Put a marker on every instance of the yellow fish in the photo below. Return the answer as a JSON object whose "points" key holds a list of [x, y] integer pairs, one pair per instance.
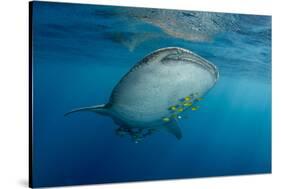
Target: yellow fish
{"points": [[173, 108], [180, 110], [166, 119], [187, 104], [187, 98], [195, 108], [199, 98]]}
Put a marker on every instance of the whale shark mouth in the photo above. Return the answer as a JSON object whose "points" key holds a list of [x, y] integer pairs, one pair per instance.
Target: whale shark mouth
{"points": [[186, 56]]}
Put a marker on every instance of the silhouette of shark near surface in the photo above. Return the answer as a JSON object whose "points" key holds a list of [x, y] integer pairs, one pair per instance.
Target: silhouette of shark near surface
{"points": [[157, 92]]}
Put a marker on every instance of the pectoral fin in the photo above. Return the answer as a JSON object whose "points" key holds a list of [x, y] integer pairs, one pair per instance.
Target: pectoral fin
{"points": [[101, 109], [174, 129]]}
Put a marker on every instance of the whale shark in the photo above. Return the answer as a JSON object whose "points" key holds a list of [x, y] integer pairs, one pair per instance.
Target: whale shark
{"points": [[156, 91]]}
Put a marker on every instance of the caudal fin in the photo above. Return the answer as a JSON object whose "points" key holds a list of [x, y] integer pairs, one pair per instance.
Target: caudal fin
{"points": [[101, 109]]}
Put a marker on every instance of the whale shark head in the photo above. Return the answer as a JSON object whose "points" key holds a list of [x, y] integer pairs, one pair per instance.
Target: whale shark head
{"points": [[156, 91], [177, 55]]}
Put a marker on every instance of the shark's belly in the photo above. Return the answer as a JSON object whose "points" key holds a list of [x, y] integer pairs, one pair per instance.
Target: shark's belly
{"points": [[145, 96]]}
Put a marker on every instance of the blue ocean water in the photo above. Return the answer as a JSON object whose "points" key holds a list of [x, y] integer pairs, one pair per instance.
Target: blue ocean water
{"points": [[80, 52]]}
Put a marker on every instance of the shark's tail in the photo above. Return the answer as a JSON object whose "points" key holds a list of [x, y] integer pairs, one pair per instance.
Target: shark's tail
{"points": [[101, 109]]}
